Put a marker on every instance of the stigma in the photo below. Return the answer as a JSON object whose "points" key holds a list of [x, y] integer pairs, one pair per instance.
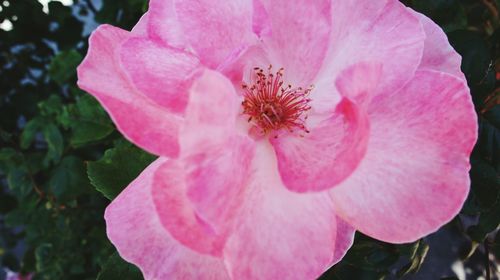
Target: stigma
{"points": [[271, 105]]}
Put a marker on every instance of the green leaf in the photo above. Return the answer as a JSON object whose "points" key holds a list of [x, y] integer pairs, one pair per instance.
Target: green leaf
{"points": [[69, 179], [7, 203], [476, 62], [9, 159], [116, 268], [29, 132], [485, 183], [51, 107], [493, 116], [55, 142], [488, 222], [88, 121], [117, 168], [63, 66], [43, 255], [20, 182], [372, 255]]}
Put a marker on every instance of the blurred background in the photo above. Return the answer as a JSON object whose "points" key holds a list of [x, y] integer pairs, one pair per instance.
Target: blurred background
{"points": [[62, 160]]}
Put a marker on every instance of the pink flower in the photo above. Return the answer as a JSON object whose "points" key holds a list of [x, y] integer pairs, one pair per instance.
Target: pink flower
{"points": [[260, 180]]}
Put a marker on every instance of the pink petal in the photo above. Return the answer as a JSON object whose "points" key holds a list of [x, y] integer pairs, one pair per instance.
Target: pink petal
{"points": [[216, 156], [216, 177], [333, 149], [162, 73], [213, 108], [239, 66], [299, 37], [177, 215], [344, 240], [141, 121], [141, 28], [327, 155], [280, 234], [383, 32], [134, 228], [197, 195], [215, 29], [359, 82], [439, 55], [260, 22], [414, 176], [163, 24]]}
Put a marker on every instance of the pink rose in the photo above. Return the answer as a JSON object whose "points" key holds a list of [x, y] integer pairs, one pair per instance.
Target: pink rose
{"points": [[257, 179]]}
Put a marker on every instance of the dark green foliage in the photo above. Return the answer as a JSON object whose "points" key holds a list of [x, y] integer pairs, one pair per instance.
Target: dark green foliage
{"points": [[117, 168], [63, 66], [61, 156], [51, 218], [88, 121], [116, 268]]}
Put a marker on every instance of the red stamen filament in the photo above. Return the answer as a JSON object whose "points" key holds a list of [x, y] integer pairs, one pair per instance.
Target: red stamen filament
{"points": [[272, 106]]}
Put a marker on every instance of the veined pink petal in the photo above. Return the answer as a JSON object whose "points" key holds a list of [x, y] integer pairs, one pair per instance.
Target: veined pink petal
{"points": [[438, 55], [134, 228], [197, 195], [344, 240], [141, 28], [163, 24], [216, 156], [359, 82], [298, 38], [414, 176], [216, 177], [239, 66], [177, 215], [141, 121], [215, 29], [280, 234], [162, 73], [333, 149], [383, 32], [327, 155], [260, 22]]}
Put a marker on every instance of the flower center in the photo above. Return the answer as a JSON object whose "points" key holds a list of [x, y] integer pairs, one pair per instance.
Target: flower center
{"points": [[272, 106]]}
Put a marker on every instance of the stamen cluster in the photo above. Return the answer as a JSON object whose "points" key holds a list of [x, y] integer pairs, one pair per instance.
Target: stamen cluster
{"points": [[272, 106]]}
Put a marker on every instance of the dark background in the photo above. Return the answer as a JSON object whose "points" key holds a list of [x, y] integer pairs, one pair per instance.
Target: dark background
{"points": [[61, 158]]}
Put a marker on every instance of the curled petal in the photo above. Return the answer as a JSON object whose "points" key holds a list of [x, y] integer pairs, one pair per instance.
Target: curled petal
{"points": [[177, 215], [327, 155], [143, 122], [141, 28], [383, 32], [133, 226], [162, 73], [215, 154], [198, 194], [414, 176], [359, 82], [344, 240]]}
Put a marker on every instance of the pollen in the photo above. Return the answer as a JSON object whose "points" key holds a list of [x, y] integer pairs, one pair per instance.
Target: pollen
{"points": [[273, 106]]}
